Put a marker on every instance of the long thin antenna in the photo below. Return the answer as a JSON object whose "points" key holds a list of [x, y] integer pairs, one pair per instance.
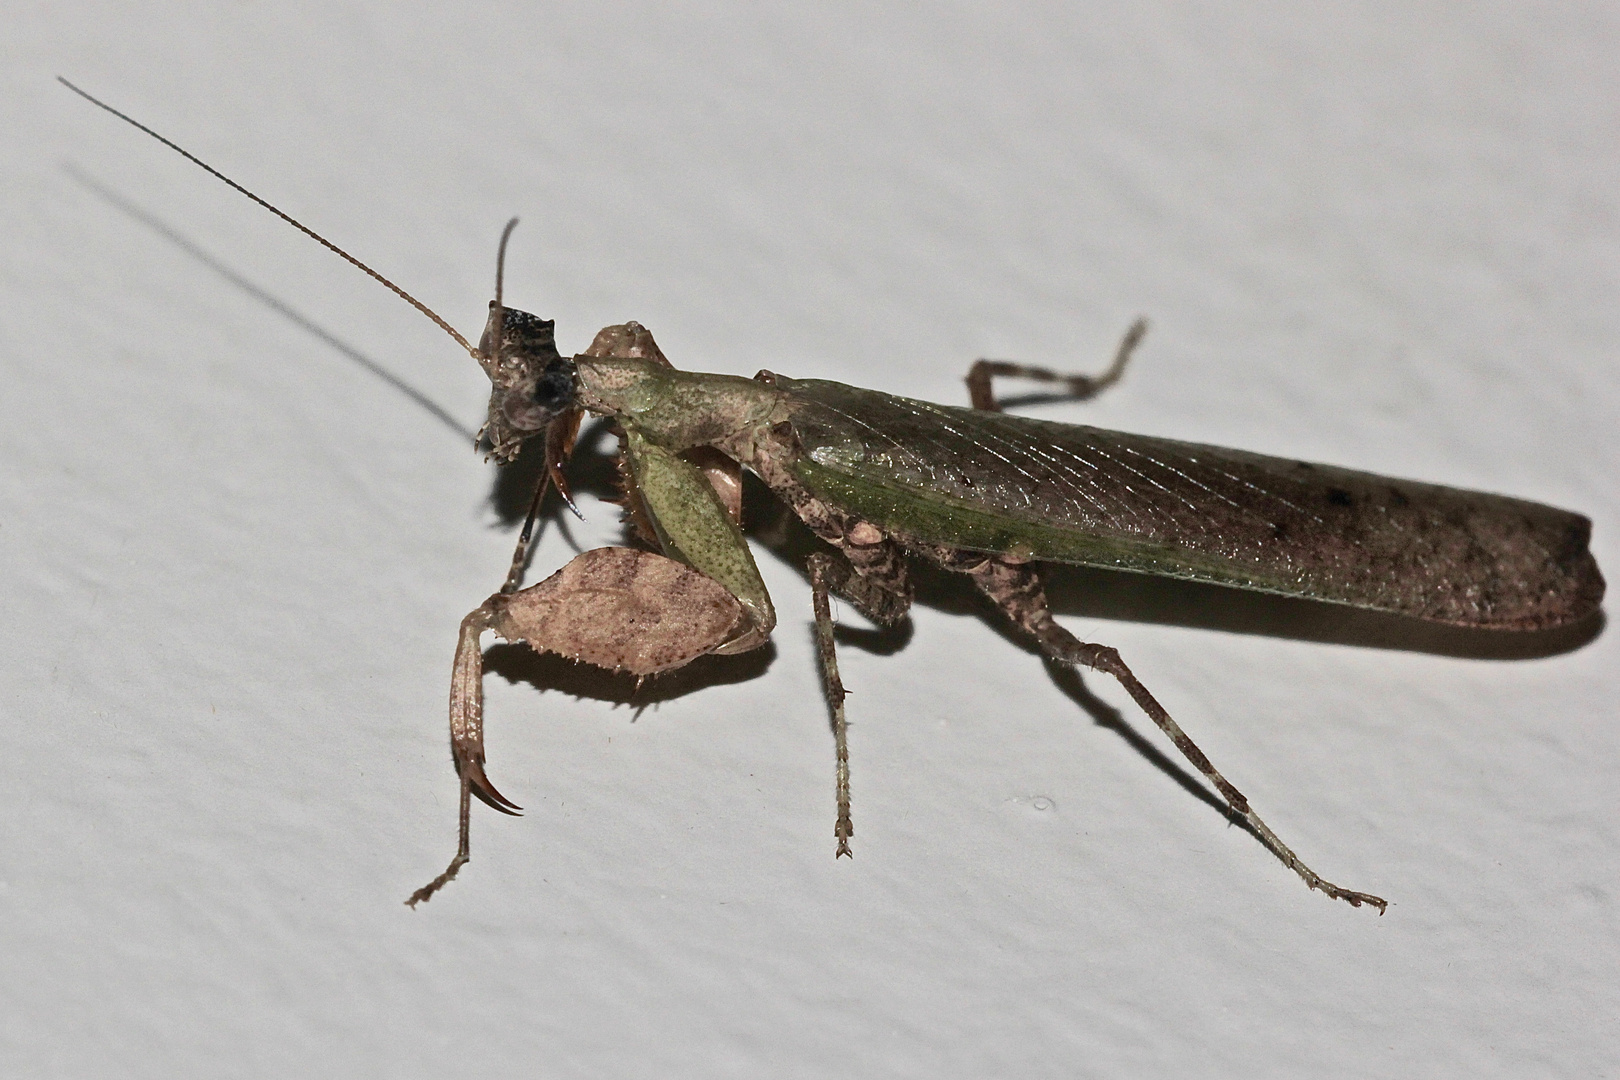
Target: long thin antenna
{"points": [[500, 261], [288, 218], [496, 331]]}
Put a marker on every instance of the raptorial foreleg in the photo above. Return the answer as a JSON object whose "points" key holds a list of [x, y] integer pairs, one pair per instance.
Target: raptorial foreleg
{"points": [[616, 608]]}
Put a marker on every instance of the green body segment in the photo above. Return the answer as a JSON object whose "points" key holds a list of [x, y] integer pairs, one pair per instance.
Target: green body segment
{"points": [[694, 528], [676, 410], [987, 481], [994, 482]]}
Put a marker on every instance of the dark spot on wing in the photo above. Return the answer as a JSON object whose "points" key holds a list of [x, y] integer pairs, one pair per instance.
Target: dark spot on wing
{"points": [[1572, 549]]}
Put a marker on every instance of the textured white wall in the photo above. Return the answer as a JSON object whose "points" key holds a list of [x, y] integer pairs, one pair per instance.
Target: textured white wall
{"points": [[232, 560]]}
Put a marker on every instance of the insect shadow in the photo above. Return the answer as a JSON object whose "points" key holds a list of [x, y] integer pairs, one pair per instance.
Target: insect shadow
{"points": [[1078, 591], [264, 296], [1408, 549], [592, 470], [773, 525], [1094, 594]]}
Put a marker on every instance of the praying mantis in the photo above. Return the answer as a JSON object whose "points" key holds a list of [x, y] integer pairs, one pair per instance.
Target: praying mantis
{"points": [[883, 480]]}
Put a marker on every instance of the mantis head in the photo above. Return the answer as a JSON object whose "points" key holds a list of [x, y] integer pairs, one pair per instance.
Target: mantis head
{"points": [[532, 385]]}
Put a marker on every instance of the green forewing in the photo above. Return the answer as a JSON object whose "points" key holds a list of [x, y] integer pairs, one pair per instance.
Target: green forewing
{"points": [[994, 482]]}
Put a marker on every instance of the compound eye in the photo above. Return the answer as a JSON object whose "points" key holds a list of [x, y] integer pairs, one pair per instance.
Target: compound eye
{"points": [[554, 390], [553, 395]]}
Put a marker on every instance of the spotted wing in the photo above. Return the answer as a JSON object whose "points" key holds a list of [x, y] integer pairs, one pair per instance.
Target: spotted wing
{"points": [[1066, 493]]}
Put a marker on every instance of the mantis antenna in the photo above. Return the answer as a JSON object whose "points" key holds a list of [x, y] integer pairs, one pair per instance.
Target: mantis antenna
{"points": [[498, 309], [500, 261], [300, 226]]}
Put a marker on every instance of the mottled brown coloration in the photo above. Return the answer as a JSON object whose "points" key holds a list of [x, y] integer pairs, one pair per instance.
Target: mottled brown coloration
{"points": [[723, 474], [518, 352], [977, 492], [617, 608], [1074, 494], [627, 341], [623, 610]]}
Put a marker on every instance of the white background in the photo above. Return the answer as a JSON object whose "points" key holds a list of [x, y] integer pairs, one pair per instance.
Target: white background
{"points": [[232, 559]]}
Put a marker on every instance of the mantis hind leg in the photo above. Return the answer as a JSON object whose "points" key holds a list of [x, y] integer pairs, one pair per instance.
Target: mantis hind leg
{"points": [[979, 376], [1017, 590]]}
